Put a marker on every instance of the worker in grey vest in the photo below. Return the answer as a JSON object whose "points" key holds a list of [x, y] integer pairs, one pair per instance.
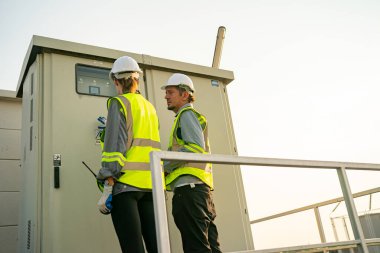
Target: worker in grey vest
{"points": [[192, 183]]}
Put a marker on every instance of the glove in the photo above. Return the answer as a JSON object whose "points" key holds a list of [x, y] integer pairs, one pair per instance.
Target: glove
{"points": [[100, 185], [104, 203]]}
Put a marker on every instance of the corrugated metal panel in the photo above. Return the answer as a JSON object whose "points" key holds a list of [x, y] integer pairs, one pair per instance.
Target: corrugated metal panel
{"points": [[8, 239], [10, 133], [10, 174], [10, 112], [371, 228], [9, 144], [9, 212]]}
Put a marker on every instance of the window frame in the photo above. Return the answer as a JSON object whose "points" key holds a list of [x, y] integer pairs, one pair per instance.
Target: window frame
{"points": [[89, 93]]}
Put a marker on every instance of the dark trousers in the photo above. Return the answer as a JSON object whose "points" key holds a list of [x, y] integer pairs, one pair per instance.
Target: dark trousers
{"points": [[133, 219], [194, 214]]}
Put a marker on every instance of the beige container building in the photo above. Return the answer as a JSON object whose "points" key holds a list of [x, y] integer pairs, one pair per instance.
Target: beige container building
{"points": [[10, 135], [64, 87]]}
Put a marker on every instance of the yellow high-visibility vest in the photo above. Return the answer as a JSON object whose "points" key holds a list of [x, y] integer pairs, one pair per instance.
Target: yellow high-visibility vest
{"points": [[143, 137], [203, 171]]}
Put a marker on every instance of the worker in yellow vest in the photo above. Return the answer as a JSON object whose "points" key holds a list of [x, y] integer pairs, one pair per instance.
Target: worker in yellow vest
{"points": [[131, 133], [192, 183]]}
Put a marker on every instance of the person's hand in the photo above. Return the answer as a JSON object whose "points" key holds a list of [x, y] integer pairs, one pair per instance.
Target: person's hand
{"points": [[105, 201]]}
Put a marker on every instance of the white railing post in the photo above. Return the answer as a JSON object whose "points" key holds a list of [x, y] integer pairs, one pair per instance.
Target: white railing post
{"points": [[319, 224], [351, 210], [160, 216]]}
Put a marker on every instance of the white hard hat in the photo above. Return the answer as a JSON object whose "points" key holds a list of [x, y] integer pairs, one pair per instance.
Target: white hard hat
{"points": [[125, 65], [178, 79]]}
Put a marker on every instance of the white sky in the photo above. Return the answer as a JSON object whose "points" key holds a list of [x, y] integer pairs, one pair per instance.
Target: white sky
{"points": [[307, 79]]}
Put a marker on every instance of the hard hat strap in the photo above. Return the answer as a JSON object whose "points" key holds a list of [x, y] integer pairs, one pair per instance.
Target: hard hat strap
{"points": [[185, 87], [126, 75]]}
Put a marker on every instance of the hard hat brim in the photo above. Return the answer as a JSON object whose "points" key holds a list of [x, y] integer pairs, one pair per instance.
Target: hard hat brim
{"points": [[177, 85], [168, 85]]}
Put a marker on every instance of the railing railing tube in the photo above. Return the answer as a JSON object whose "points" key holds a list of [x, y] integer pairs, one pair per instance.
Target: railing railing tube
{"points": [[351, 210], [161, 219], [160, 216]]}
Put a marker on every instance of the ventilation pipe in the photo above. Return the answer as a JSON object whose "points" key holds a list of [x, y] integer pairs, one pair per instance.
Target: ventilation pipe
{"points": [[218, 47]]}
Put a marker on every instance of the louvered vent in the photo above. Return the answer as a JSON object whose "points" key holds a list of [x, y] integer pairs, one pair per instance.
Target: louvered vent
{"points": [[29, 234]]}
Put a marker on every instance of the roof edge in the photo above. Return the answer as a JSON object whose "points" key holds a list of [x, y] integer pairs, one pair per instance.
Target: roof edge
{"points": [[40, 44], [8, 95]]}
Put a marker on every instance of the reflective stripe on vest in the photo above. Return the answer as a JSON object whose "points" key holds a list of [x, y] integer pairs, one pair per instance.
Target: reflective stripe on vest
{"points": [[143, 137], [203, 171]]}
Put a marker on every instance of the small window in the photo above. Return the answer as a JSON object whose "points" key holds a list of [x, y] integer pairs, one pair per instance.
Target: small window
{"points": [[94, 81]]}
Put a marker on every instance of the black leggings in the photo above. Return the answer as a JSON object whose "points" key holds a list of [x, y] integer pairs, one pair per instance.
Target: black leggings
{"points": [[133, 219]]}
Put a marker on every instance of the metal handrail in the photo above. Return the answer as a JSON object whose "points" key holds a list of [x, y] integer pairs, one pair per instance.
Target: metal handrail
{"points": [[161, 220], [316, 247], [319, 247], [315, 205]]}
